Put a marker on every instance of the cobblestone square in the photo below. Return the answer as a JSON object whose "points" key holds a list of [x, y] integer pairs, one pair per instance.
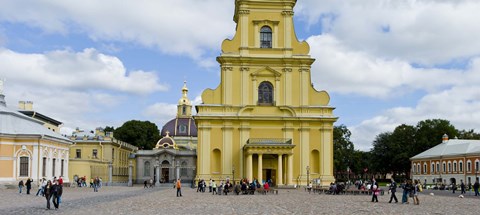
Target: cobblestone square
{"points": [[137, 200]]}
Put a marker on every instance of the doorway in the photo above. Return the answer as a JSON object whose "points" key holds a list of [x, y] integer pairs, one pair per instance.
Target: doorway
{"points": [[165, 175], [270, 175]]}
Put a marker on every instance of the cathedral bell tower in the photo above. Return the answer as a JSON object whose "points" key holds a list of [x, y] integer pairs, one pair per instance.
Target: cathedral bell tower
{"points": [[184, 107], [265, 120]]}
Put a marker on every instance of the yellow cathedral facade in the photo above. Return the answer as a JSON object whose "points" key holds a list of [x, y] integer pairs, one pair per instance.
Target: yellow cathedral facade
{"points": [[265, 120]]}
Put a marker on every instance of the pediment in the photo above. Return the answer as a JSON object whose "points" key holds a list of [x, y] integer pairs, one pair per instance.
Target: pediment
{"points": [[266, 72]]}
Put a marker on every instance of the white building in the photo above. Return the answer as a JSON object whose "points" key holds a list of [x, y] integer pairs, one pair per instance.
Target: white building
{"points": [[28, 149], [448, 162]]}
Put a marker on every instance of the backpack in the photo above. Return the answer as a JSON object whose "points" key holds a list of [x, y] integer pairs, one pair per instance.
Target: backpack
{"points": [[420, 189]]}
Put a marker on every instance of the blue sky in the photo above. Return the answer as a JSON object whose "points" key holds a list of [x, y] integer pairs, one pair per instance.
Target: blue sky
{"points": [[96, 63]]}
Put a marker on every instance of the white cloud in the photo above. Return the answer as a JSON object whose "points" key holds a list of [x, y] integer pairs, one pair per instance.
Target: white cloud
{"points": [[86, 70], [341, 69], [459, 104], [427, 32], [161, 113], [174, 27]]}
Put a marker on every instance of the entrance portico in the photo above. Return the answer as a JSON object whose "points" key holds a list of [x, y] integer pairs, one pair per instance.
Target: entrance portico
{"points": [[277, 148]]}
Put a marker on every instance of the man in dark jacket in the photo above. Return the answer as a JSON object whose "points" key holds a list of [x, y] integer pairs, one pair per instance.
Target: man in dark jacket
{"points": [[475, 188], [28, 184], [56, 194], [393, 190]]}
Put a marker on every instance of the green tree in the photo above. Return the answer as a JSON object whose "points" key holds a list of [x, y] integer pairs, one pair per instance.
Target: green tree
{"points": [[429, 134], [109, 129], [142, 134], [468, 134], [343, 148]]}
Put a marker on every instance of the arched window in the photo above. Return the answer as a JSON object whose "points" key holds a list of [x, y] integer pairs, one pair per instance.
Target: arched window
{"points": [[183, 171], [460, 165], [476, 166], [265, 37], [414, 168], [24, 166], [444, 166], [184, 110], [469, 166], [418, 169], [424, 168], [265, 93], [432, 168], [146, 168], [438, 167], [449, 166], [455, 166]]}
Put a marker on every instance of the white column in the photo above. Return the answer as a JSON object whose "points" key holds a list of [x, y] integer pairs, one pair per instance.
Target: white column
{"points": [[157, 183], [290, 169], [130, 174], [249, 167], [279, 170], [260, 168], [110, 174]]}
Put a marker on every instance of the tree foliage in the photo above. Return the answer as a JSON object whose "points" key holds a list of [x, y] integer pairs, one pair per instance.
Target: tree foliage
{"points": [[142, 134], [109, 129], [392, 151], [343, 148]]}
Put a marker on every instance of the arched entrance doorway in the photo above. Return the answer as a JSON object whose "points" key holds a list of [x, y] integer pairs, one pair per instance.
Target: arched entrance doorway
{"points": [[165, 176]]}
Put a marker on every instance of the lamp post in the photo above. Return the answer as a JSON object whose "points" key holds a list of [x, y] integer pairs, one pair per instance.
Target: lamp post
{"points": [[348, 175], [308, 175], [233, 174]]}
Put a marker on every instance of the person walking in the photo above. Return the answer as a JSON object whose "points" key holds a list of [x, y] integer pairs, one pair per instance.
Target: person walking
{"points": [[214, 187], [462, 187], [179, 188], [41, 187], [56, 194], [28, 185], [96, 184], [416, 191], [393, 190], [475, 188], [20, 186], [375, 192], [407, 186], [48, 193], [210, 186]]}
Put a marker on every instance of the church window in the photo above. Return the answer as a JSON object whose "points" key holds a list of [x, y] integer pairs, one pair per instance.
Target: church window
{"points": [[184, 110], [265, 93], [183, 171], [53, 166], [94, 153], [182, 129], [265, 37], [23, 166], [61, 167], [146, 169], [44, 167]]}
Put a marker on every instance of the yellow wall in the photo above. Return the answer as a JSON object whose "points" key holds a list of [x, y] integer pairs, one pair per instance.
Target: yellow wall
{"points": [[89, 166], [229, 114]]}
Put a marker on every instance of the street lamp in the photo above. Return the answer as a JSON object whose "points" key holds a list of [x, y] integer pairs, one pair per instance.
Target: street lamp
{"points": [[348, 175], [233, 174], [308, 175]]}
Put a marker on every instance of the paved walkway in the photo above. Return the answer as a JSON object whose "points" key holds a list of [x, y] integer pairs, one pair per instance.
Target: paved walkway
{"points": [[136, 200]]}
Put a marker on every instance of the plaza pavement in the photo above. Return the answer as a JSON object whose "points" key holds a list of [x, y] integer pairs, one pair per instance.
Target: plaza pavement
{"points": [[136, 200]]}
